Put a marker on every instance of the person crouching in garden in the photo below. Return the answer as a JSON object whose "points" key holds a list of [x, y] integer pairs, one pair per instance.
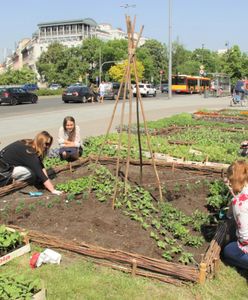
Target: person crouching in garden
{"points": [[69, 140], [236, 252], [26, 157]]}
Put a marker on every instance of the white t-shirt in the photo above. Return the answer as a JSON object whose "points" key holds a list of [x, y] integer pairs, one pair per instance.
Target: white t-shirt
{"points": [[63, 135], [240, 213]]}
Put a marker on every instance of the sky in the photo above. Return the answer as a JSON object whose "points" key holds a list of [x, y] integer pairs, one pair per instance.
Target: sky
{"points": [[212, 24]]}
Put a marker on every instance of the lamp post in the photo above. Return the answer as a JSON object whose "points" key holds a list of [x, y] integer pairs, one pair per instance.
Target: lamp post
{"points": [[170, 55], [101, 65]]}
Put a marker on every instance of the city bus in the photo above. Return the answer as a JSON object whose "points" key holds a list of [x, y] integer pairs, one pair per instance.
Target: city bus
{"points": [[190, 84]]}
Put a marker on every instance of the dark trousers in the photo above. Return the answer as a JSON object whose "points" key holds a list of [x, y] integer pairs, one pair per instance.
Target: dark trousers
{"points": [[234, 256], [72, 153]]}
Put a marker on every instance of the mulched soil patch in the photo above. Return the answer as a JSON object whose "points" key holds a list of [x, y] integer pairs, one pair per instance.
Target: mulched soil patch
{"points": [[96, 223]]}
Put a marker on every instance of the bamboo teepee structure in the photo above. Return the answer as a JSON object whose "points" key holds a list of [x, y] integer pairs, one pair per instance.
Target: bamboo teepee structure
{"points": [[128, 95]]}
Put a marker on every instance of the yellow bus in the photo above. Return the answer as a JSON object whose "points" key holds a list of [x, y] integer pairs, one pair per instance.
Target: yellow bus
{"points": [[190, 84]]}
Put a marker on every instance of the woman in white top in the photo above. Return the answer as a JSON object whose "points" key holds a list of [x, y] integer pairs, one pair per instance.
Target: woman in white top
{"points": [[69, 140], [236, 252]]}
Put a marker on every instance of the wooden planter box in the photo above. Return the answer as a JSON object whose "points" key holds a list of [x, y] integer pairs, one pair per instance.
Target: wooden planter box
{"points": [[16, 253], [41, 295]]}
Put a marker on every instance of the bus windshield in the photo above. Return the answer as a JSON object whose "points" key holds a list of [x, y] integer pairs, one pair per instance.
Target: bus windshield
{"points": [[178, 80]]}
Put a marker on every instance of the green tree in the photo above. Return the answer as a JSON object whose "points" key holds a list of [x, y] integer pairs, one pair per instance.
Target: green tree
{"points": [[153, 56], [117, 72], [179, 56], [232, 63], [25, 75]]}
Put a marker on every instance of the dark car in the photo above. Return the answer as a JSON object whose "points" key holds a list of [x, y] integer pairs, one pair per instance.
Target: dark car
{"points": [[76, 94], [112, 89], [30, 87], [164, 88], [16, 95]]}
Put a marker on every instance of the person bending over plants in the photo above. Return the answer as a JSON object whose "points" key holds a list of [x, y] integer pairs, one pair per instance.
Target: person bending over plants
{"points": [[26, 157], [70, 147], [236, 252]]}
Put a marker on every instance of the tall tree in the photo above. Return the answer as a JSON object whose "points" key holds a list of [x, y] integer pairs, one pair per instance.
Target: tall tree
{"points": [[153, 55]]}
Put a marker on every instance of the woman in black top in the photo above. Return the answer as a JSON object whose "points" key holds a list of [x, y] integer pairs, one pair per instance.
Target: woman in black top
{"points": [[26, 156]]}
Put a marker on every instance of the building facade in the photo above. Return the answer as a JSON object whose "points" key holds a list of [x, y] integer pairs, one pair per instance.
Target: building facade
{"points": [[69, 33]]}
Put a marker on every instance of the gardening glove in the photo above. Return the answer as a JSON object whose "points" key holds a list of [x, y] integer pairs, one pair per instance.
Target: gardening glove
{"points": [[56, 192]]}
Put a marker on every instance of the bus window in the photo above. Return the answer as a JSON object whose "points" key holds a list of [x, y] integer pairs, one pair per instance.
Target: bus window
{"points": [[178, 80]]}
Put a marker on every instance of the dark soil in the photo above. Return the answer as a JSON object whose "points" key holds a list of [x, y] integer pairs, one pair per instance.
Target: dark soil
{"points": [[97, 223]]}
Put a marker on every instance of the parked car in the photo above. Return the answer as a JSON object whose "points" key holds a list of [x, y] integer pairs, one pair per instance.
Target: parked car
{"points": [[54, 86], [146, 89], [16, 95], [80, 94], [30, 87], [164, 88], [112, 89]]}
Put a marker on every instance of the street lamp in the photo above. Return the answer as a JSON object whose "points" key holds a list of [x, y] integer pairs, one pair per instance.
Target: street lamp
{"points": [[104, 63], [170, 55]]}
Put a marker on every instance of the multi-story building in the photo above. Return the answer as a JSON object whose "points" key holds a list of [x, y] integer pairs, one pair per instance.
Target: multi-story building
{"points": [[70, 33]]}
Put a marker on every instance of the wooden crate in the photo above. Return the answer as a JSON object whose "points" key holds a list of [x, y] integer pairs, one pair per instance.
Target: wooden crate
{"points": [[41, 295], [18, 252]]}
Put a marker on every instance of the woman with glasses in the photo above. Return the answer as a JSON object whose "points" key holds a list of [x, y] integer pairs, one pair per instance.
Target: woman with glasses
{"points": [[26, 157], [69, 140], [236, 252]]}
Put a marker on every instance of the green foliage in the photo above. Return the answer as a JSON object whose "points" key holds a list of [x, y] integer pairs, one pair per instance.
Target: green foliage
{"points": [[218, 194], [17, 287], [25, 75], [9, 240], [48, 92], [117, 71]]}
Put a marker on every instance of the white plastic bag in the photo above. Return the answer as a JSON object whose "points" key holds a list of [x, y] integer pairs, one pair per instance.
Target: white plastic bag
{"points": [[48, 256]]}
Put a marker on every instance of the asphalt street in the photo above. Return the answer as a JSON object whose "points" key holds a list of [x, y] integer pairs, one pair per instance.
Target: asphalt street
{"points": [[24, 121]]}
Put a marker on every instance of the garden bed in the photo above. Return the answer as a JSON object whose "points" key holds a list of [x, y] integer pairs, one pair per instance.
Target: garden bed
{"points": [[83, 218], [224, 115]]}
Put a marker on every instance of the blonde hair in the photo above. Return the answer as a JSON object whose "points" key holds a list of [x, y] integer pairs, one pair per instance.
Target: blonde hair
{"points": [[237, 174], [41, 143]]}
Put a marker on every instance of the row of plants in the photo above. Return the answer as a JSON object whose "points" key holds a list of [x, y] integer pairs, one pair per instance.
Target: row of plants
{"points": [[214, 144], [209, 141], [173, 231]]}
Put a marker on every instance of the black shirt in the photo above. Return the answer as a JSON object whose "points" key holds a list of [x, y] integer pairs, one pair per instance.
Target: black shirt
{"points": [[19, 154]]}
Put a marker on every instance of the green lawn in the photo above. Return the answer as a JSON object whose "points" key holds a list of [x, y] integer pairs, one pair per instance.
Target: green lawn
{"points": [[77, 279]]}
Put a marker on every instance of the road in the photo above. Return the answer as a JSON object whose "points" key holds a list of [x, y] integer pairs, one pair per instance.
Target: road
{"points": [[24, 121]]}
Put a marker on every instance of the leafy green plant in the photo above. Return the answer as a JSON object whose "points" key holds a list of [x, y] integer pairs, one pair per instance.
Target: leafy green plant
{"points": [[20, 206], [9, 240], [186, 258], [17, 287], [218, 194]]}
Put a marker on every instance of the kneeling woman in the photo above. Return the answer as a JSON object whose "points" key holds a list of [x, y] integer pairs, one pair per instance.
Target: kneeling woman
{"points": [[26, 158], [236, 253], [69, 140]]}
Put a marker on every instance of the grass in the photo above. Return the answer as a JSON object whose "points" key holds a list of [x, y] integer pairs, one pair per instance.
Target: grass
{"points": [[77, 279]]}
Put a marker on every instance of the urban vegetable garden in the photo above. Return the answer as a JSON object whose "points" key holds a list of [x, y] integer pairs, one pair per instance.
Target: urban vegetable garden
{"points": [[170, 239]]}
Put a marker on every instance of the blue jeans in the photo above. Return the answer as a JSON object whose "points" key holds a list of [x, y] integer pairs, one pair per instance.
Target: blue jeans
{"points": [[234, 256]]}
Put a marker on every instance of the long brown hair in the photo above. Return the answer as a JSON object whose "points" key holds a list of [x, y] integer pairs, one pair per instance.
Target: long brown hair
{"points": [[237, 174], [71, 135], [40, 144]]}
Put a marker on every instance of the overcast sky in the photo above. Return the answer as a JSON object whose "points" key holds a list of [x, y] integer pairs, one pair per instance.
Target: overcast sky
{"points": [[213, 23]]}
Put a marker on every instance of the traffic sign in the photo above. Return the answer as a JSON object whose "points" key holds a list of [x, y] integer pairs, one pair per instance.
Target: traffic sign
{"points": [[201, 72]]}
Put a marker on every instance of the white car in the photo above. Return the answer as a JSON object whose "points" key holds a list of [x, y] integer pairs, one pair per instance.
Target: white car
{"points": [[55, 86], [146, 89]]}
